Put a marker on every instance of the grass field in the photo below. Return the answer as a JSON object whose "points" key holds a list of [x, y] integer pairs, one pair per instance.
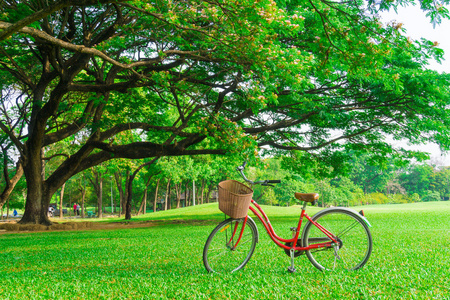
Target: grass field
{"points": [[410, 260]]}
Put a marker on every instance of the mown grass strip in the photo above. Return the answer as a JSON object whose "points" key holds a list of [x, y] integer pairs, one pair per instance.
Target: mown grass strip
{"points": [[410, 260]]}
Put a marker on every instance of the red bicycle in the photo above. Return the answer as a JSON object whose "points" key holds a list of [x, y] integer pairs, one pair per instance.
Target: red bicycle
{"points": [[334, 238]]}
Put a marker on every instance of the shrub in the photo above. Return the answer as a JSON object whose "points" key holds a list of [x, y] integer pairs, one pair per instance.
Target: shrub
{"points": [[377, 198], [431, 196]]}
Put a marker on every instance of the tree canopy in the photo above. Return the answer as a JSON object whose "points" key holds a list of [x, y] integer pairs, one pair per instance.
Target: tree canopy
{"points": [[137, 79]]}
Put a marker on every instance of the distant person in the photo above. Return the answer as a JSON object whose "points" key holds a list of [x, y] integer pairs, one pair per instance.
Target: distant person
{"points": [[50, 211], [75, 209], [15, 213], [78, 209]]}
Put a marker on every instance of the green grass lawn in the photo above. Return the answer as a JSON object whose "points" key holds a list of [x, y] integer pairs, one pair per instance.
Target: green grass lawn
{"points": [[410, 260]]}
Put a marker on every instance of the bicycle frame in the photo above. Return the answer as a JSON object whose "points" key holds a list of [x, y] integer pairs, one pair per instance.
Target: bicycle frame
{"points": [[278, 240]]}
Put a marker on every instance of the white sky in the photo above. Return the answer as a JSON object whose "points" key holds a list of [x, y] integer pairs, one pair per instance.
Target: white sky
{"points": [[417, 25]]}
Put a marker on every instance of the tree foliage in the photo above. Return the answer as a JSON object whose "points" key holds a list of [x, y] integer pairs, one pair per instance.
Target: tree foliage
{"points": [[138, 79]]}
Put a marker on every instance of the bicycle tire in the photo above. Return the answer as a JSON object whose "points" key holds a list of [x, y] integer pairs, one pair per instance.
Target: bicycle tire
{"points": [[218, 255], [355, 240]]}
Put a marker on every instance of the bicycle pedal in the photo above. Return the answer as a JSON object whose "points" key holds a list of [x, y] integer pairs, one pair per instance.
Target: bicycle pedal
{"points": [[292, 270]]}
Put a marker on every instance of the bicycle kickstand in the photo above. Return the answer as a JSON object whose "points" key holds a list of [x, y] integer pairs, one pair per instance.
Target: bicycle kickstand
{"points": [[291, 268], [336, 255]]}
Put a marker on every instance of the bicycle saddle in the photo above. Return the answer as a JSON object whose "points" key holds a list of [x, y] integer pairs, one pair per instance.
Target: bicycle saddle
{"points": [[311, 197]]}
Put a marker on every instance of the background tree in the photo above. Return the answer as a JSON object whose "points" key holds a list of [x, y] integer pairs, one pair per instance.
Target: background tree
{"points": [[442, 182], [130, 187], [151, 175], [418, 179], [12, 169], [373, 175], [97, 179], [8, 181]]}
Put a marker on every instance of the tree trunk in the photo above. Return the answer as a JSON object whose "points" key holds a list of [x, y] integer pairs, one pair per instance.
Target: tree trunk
{"points": [[217, 194], [193, 193], [129, 189], [123, 192], [82, 189], [208, 195], [124, 200], [156, 196], [98, 187], [178, 192], [203, 190], [36, 210], [83, 198], [61, 197], [186, 194], [100, 197], [129, 192], [169, 204], [39, 193], [143, 207], [7, 209], [167, 194], [119, 187], [145, 200]]}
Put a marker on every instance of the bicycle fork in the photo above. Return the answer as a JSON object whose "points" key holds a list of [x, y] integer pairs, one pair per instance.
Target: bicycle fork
{"points": [[231, 244]]}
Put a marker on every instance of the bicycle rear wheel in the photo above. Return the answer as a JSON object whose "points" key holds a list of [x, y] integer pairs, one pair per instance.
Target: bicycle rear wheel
{"points": [[355, 240], [221, 254]]}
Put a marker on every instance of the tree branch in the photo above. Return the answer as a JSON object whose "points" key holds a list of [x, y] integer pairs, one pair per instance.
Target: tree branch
{"points": [[321, 145], [13, 138], [10, 29]]}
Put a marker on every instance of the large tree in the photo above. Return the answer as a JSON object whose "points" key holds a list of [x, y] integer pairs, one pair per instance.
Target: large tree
{"points": [[207, 77]]}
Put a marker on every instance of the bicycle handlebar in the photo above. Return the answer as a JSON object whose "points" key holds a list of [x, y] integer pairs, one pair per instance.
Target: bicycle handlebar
{"points": [[241, 169], [274, 181]]}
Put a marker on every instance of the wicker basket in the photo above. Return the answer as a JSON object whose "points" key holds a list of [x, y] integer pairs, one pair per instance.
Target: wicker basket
{"points": [[234, 198]]}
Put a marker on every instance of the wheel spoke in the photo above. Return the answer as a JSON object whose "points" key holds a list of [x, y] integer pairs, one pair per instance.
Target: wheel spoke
{"points": [[220, 254], [344, 231], [354, 241]]}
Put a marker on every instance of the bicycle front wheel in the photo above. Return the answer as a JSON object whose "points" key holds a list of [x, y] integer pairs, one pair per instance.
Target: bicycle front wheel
{"points": [[223, 253], [354, 240]]}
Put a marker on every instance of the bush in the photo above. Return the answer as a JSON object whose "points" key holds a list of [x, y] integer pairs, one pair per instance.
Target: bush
{"points": [[431, 196], [414, 197], [398, 198], [377, 198]]}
